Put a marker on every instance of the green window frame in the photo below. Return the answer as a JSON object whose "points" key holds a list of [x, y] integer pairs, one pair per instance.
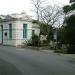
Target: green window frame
{"points": [[10, 31], [24, 30]]}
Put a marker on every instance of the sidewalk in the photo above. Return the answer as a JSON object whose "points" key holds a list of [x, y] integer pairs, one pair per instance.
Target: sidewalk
{"points": [[47, 51], [65, 55], [69, 55]]}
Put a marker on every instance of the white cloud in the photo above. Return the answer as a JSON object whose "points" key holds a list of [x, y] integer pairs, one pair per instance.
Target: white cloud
{"points": [[16, 6], [13, 6]]}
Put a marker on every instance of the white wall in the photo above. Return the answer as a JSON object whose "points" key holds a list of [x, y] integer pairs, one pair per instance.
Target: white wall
{"points": [[19, 25], [17, 33], [37, 31], [6, 40]]}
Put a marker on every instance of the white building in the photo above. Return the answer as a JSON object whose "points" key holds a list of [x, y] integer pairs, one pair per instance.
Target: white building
{"points": [[16, 29]]}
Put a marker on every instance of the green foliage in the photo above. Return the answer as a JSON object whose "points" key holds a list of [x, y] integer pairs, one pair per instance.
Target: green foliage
{"points": [[70, 29], [46, 30], [71, 49], [73, 6], [67, 33], [72, 1], [70, 21], [66, 9], [35, 21], [50, 35], [45, 43], [35, 40], [62, 35]]}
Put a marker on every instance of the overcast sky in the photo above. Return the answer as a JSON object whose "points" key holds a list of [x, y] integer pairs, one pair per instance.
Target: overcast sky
{"points": [[16, 6]]}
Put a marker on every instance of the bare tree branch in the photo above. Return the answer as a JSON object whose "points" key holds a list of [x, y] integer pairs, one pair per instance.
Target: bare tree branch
{"points": [[37, 5], [50, 15]]}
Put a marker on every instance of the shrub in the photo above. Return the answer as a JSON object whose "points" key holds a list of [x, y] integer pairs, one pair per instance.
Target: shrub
{"points": [[71, 49], [35, 40]]}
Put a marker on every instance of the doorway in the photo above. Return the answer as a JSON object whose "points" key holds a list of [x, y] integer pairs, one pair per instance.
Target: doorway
{"points": [[1, 34]]}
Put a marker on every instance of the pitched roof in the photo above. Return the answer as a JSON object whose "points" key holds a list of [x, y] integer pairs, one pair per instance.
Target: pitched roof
{"points": [[15, 16]]}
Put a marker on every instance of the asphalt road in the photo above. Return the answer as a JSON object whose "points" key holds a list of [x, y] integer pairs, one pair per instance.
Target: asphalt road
{"points": [[31, 62]]}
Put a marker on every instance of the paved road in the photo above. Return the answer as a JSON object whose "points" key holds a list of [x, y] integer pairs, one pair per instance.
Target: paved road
{"points": [[30, 62]]}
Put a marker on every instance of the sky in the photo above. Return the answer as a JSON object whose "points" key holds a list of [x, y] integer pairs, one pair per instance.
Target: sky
{"points": [[17, 6]]}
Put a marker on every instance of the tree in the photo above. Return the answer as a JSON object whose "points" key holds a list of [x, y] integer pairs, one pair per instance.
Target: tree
{"points": [[50, 16], [66, 9], [72, 1], [46, 30], [69, 22], [43, 29], [0, 19], [68, 33], [73, 6], [35, 39], [37, 6]]}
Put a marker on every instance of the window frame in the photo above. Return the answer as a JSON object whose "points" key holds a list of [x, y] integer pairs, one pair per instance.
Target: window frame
{"points": [[10, 31], [25, 31]]}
